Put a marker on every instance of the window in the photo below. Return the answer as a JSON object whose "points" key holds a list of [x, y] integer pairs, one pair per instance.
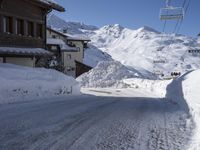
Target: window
{"points": [[71, 44], [69, 56], [1, 59], [39, 30], [30, 27], [20, 27], [54, 36], [7, 25]]}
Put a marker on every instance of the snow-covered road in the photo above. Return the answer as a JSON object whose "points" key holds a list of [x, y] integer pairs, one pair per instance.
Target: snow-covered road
{"points": [[94, 123]]}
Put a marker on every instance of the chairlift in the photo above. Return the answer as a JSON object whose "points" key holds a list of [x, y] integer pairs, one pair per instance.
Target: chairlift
{"points": [[171, 12]]}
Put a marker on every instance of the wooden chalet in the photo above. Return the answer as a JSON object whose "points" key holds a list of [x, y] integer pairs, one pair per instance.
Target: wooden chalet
{"points": [[23, 30]]}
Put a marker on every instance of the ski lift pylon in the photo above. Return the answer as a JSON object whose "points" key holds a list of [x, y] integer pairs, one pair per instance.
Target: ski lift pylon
{"points": [[171, 12]]}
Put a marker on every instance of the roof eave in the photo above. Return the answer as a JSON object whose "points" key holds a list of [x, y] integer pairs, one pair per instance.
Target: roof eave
{"points": [[58, 8], [52, 6]]}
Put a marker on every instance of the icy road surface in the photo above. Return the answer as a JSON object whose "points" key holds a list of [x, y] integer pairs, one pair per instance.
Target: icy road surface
{"points": [[94, 123]]}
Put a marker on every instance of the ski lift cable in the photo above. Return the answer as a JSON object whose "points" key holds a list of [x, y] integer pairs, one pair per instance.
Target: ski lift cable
{"points": [[178, 21], [186, 10]]}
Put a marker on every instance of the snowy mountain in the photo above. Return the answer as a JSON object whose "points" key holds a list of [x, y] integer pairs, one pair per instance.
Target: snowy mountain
{"points": [[147, 48], [71, 27], [144, 49]]}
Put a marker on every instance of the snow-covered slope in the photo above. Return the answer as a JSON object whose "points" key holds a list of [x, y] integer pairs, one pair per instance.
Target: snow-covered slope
{"points": [[18, 83], [106, 74], [139, 48]]}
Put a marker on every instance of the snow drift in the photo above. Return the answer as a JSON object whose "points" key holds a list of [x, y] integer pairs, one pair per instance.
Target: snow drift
{"points": [[157, 87], [106, 74], [185, 91], [18, 83]]}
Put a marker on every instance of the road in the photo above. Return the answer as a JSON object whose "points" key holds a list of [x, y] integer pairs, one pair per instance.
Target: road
{"points": [[94, 123]]}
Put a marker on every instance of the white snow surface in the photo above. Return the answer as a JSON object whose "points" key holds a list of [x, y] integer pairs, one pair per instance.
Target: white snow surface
{"points": [[185, 91], [115, 118], [93, 56], [61, 43], [135, 122], [22, 83], [106, 74], [156, 87]]}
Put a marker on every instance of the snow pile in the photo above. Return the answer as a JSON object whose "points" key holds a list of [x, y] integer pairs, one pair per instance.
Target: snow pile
{"points": [[18, 83], [158, 87], [185, 91], [106, 74]]}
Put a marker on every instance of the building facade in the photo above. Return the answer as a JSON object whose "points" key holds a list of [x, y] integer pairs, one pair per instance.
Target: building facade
{"points": [[23, 30], [71, 49]]}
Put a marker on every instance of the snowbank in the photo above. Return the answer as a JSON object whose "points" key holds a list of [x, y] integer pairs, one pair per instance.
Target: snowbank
{"points": [[20, 83], [185, 91], [157, 87], [106, 74]]}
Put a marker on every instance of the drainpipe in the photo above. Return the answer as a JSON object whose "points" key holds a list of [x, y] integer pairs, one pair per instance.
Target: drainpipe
{"points": [[45, 36]]}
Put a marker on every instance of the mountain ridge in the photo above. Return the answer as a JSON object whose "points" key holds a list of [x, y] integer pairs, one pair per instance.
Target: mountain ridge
{"points": [[142, 47]]}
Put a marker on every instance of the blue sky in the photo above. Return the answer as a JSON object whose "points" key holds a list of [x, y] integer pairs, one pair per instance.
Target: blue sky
{"points": [[132, 14]]}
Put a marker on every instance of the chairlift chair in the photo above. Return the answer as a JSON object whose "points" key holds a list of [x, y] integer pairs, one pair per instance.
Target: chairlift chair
{"points": [[171, 12]]}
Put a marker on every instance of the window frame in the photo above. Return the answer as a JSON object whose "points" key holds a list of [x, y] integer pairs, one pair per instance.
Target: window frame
{"points": [[30, 29], [7, 24], [39, 30], [19, 26]]}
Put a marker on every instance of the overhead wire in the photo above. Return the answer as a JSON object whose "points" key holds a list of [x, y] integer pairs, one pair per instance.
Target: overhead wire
{"points": [[178, 21], [186, 10]]}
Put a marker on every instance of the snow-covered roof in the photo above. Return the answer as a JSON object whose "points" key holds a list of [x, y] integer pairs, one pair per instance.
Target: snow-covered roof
{"points": [[62, 44], [52, 4], [69, 36], [23, 51], [78, 38]]}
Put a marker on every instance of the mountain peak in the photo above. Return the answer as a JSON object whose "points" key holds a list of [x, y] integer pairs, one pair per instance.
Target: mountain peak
{"points": [[113, 30], [72, 27], [113, 27]]}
